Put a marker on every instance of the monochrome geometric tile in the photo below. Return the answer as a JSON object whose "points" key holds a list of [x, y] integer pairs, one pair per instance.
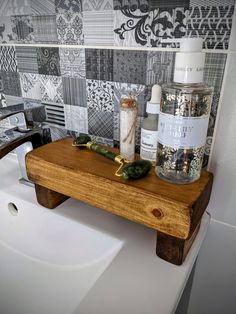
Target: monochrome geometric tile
{"points": [[100, 123], [22, 28], [30, 85], [147, 28], [98, 27], [100, 95], [211, 3], [70, 28], [42, 7], [121, 90], [102, 141], [48, 61], [159, 67], [213, 24], [45, 30], [55, 113], [91, 5], [76, 118], [214, 69], [13, 100], [2, 100], [99, 64], [8, 59], [155, 4], [11, 83], [63, 6], [213, 113], [27, 59], [72, 62], [133, 5], [51, 88], [6, 35], [130, 66], [14, 7], [74, 91], [116, 126]]}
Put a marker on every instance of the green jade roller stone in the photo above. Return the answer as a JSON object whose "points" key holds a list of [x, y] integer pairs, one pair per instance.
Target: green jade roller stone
{"points": [[132, 171]]}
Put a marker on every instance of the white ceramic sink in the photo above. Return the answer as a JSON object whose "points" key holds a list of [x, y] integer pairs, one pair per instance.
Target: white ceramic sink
{"points": [[78, 259]]}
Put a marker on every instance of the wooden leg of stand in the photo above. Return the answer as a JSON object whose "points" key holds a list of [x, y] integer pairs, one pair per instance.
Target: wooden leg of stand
{"points": [[172, 249], [48, 198]]}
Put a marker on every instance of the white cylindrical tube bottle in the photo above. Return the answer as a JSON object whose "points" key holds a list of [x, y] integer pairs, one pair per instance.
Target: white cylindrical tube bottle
{"points": [[128, 118]]}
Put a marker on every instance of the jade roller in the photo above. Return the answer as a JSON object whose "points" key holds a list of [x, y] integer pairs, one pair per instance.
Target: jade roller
{"points": [[128, 170]]}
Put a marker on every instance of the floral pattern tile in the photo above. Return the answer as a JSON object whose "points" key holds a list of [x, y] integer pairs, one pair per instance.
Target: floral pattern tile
{"points": [[70, 28], [146, 28], [72, 62], [100, 123], [130, 66], [8, 59], [45, 30], [11, 83], [48, 61], [97, 5], [6, 35], [72, 6], [76, 118], [100, 95], [121, 90], [132, 5], [98, 27], [51, 88], [74, 91], [22, 28], [30, 85], [99, 64]]}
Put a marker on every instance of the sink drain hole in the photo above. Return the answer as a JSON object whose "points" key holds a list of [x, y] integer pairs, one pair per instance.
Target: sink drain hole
{"points": [[12, 209]]}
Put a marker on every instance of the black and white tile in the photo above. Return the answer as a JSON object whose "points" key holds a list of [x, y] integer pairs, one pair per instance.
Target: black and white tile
{"points": [[51, 88], [63, 6], [72, 62], [213, 24], [48, 61], [214, 70], [22, 28], [42, 7], [130, 66], [100, 95], [99, 64], [102, 140], [98, 5], [27, 59], [30, 85], [100, 123], [45, 30], [98, 27], [70, 28], [8, 59], [55, 114], [11, 83], [14, 7], [6, 35], [74, 91], [76, 118]]}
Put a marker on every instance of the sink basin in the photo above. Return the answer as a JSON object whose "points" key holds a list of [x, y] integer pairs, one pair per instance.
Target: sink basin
{"points": [[78, 259]]}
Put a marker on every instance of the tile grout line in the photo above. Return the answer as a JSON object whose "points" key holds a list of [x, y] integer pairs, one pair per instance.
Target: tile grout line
{"points": [[112, 47]]}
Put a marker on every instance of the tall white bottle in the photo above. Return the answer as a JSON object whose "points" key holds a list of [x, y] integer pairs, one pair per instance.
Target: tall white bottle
{"points": [[184, 116], [149, 130]]}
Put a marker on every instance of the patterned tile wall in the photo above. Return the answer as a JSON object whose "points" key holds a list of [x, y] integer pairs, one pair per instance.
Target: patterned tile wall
{"points": [[81, 88]]}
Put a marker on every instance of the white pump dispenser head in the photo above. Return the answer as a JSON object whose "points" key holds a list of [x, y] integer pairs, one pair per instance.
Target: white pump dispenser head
{"points": [[153, 106], [189, 62]]}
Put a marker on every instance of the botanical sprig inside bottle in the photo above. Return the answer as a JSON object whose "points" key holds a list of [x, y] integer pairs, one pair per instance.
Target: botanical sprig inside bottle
{"points": [[128, 118]]}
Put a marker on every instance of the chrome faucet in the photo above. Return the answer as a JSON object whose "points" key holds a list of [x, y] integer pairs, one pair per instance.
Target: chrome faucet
{"points": [[27, 139]]}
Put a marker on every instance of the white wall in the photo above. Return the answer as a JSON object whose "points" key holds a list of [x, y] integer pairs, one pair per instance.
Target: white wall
{"points": [[214, 283]]}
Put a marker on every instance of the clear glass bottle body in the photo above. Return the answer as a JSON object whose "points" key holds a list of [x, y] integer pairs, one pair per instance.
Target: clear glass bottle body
{"points": [[184, 116], [148, 145]]}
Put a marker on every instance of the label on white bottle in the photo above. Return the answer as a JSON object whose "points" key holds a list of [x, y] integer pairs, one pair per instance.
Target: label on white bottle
{"points": [[182, 132], [148, 149]]}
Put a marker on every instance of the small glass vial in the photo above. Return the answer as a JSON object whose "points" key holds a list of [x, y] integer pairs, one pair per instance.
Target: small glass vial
{"points": [[128, 118], [149, 129], [184, 116]]}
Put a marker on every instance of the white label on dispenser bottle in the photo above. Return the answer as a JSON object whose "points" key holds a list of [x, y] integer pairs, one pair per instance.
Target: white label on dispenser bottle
{"points": [[182, 132], [148, 149]]}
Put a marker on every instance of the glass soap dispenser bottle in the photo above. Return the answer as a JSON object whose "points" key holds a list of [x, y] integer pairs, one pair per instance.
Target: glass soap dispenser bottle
{"points": [[184, 116], [149, 129]]}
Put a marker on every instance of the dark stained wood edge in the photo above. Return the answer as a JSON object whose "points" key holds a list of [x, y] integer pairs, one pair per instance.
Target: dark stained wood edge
{"points": [[48, 198]]}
